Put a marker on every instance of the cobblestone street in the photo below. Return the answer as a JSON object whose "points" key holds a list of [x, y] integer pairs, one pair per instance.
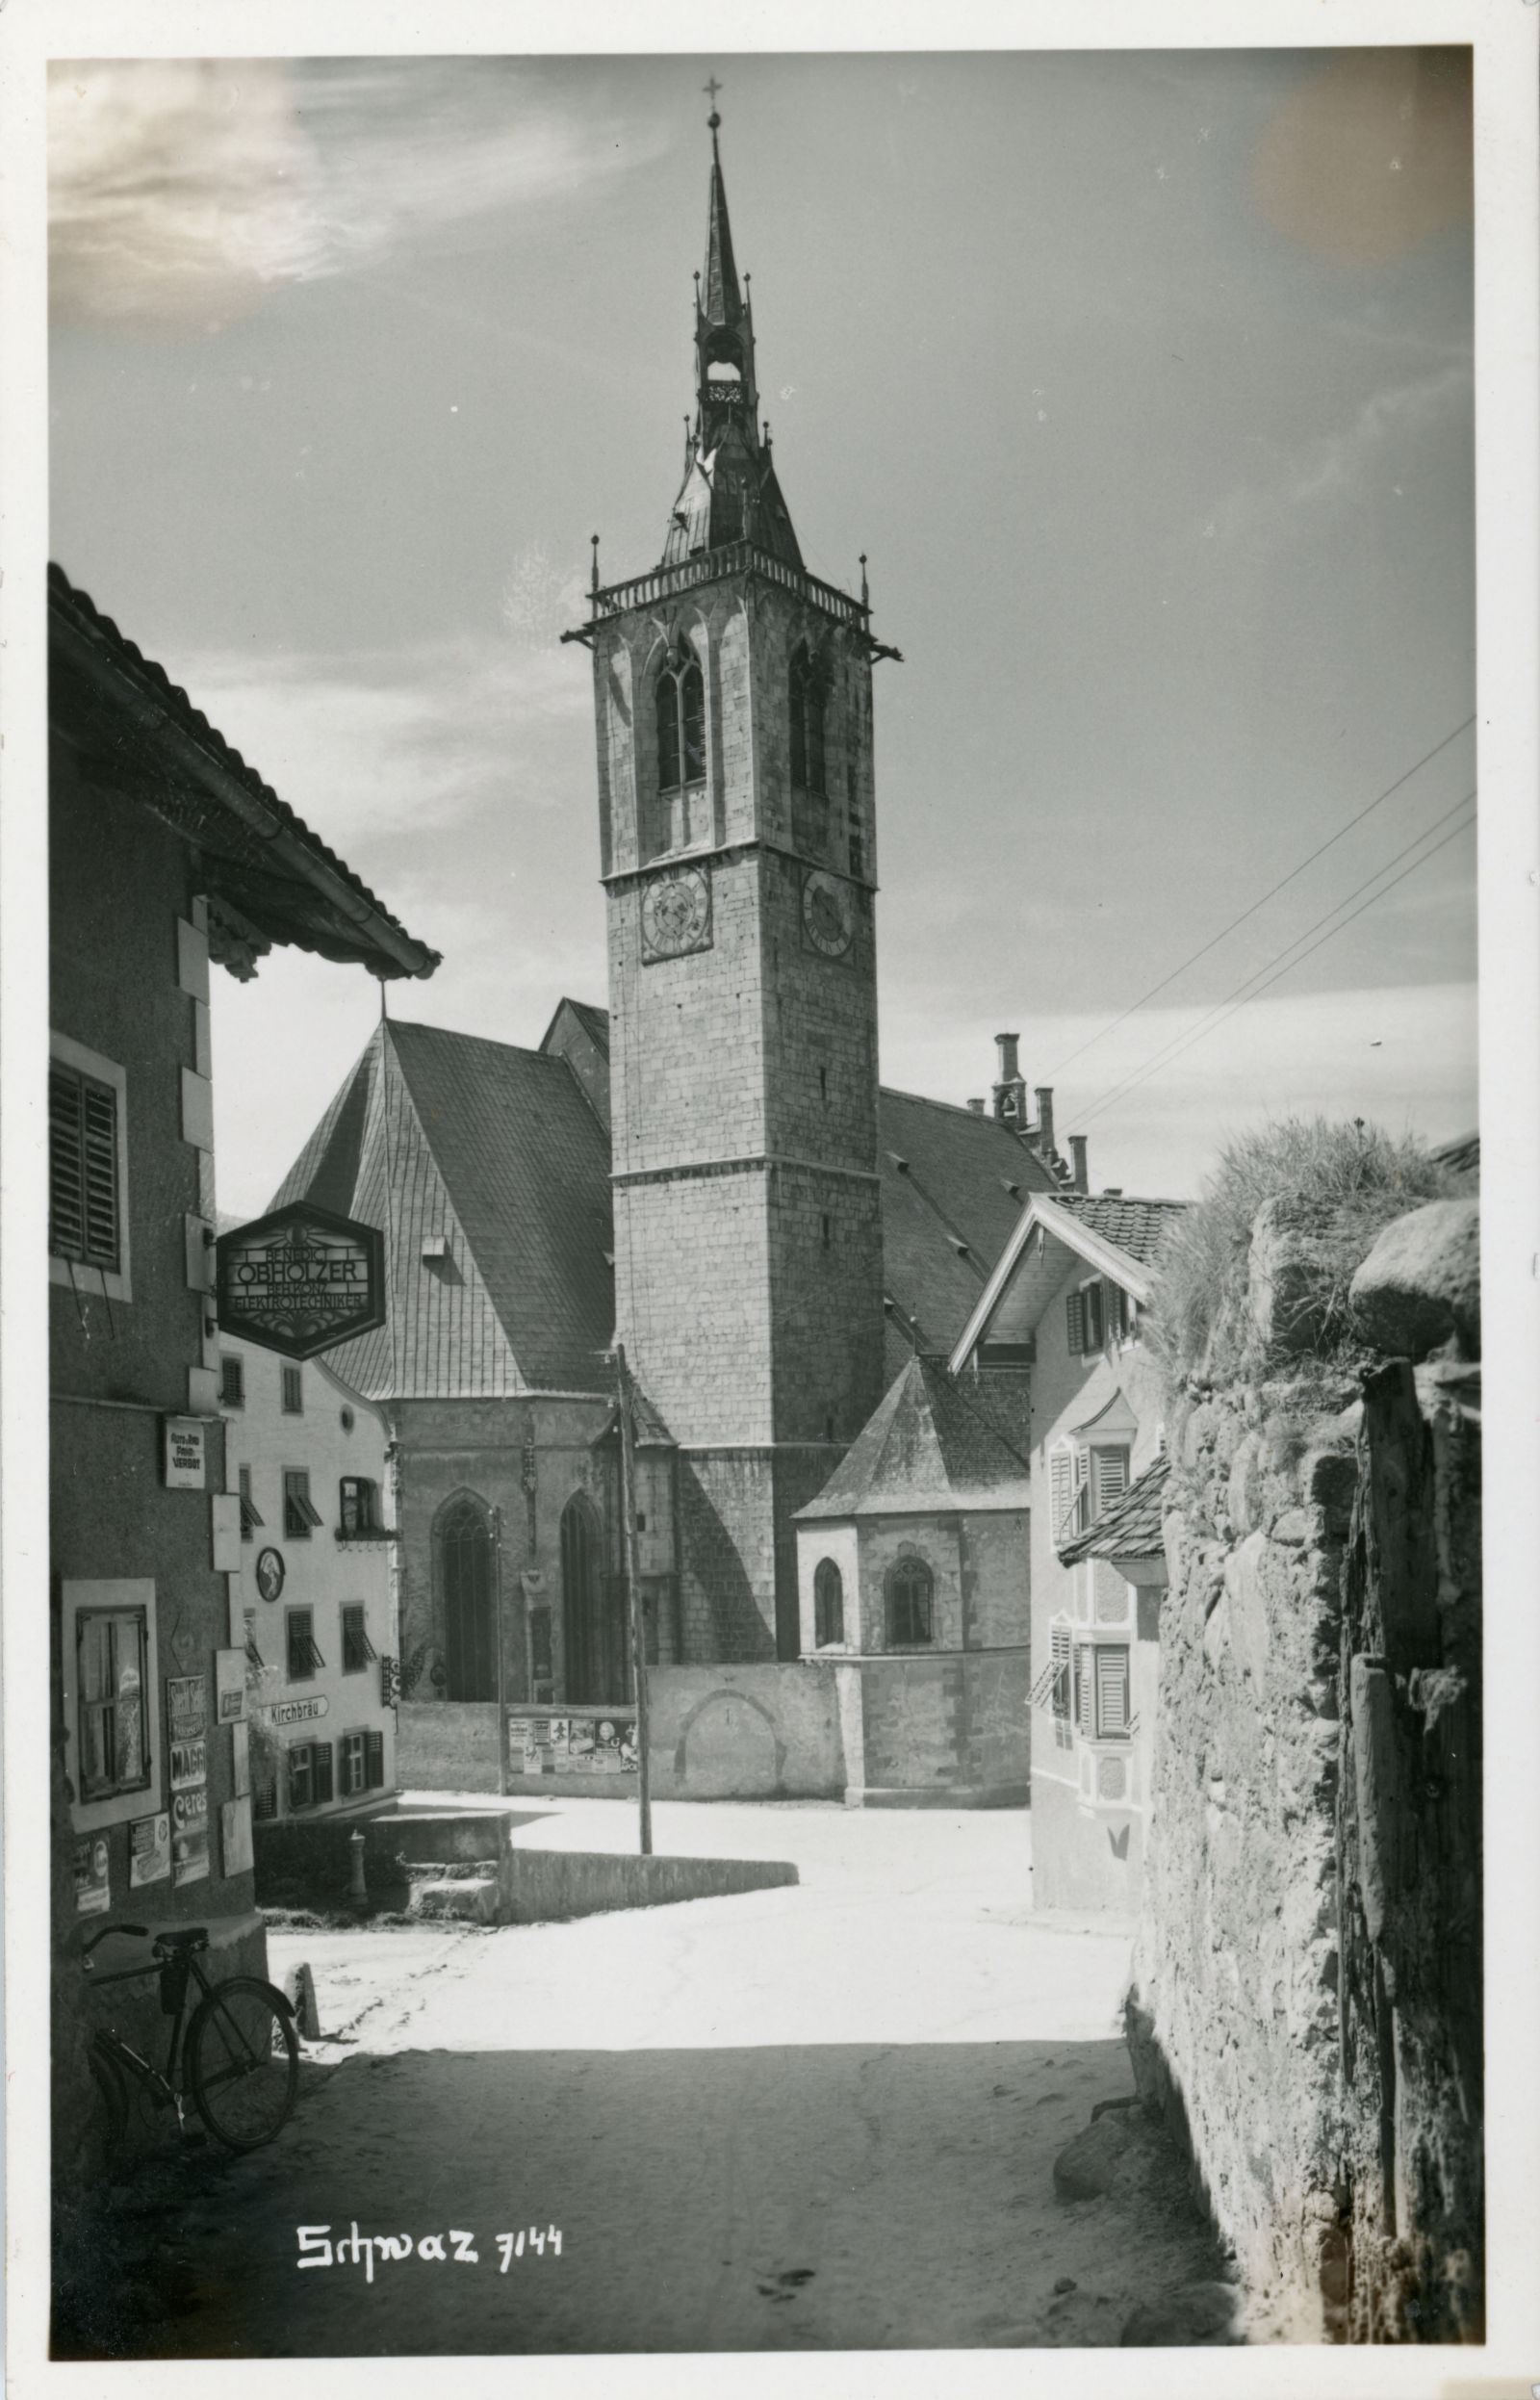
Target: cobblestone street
{"points": [[818, 2117]]}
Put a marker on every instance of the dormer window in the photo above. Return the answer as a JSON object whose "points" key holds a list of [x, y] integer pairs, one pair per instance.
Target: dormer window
{"points": [[807, 723], [680, 726]]}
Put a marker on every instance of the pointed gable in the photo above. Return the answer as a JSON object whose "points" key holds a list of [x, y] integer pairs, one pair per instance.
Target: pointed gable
{"points": [[488, 1174], [925, 1449]]}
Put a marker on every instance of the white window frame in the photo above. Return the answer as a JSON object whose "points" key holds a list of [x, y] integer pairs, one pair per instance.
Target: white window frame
{"points": [[75, 1600], [73, 1272]]}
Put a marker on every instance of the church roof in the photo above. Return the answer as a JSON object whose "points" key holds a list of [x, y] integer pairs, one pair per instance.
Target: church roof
{"points": [[1130, 1531], [489, 1174], [953, 1186], [924, 1449]]}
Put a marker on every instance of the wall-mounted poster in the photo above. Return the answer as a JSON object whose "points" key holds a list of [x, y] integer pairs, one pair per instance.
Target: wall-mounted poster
{"points": [[149, 1849], [241, 1737], [187, 1706], [182, 1455], [189, 1835], [92, 1891], [235, 1836], [229, 1686]]}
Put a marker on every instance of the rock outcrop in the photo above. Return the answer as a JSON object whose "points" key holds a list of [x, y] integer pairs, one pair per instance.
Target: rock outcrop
{"points": [[1420, 1284]]}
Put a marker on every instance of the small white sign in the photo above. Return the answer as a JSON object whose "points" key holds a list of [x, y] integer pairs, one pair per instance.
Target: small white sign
{"points": [[296, 1711], [184, 1454], [230, 1686]]}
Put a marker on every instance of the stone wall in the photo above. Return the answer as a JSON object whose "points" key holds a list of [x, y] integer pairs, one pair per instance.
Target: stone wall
{"points": [[1308, 1996], [758, 1733]]}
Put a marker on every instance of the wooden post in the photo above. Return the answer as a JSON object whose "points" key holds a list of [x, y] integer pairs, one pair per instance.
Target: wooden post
{"points": [[496, 1635], [633, 1587]]}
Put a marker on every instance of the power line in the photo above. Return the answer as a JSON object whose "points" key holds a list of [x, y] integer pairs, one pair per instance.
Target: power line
{"points": [[1223, 1008], [1294, 872]]}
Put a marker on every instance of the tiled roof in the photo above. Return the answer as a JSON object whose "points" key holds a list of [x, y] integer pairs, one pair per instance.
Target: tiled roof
{"points": [[952, 1187], [1132, 1530], [948, 1207], [1136, 1226], [924, 1447], [256, 887], [493, 1155]]}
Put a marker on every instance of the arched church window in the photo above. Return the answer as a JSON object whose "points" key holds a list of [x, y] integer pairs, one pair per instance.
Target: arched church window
{"points": [[807, 723], [597, 1666], [463, 1566], [680, 726], [910, 1594], [828, 1603]]}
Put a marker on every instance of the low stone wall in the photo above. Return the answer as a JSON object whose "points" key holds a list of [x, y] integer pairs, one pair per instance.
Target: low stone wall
{"points": [[745, 1733], [1307, 1997], [540, 1886]]}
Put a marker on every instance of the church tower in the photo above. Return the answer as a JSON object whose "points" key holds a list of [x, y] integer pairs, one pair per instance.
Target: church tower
{"points": [[732, 692]]}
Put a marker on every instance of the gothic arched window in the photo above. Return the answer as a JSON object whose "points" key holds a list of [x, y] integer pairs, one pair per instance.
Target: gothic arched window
{"points": [[463, 1565], [911, 1591], [828, 1603], [596, 1665], [807, 723], [680, 726]]}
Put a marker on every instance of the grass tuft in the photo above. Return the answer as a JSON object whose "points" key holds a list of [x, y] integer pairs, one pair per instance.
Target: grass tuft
{"points": [[1337, 1186]]}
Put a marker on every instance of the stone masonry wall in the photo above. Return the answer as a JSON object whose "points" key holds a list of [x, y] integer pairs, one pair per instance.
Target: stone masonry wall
{"points": [[1307, 1996]]}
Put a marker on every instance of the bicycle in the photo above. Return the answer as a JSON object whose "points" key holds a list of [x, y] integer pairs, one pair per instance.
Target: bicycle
{"points": [[239, 2063]]}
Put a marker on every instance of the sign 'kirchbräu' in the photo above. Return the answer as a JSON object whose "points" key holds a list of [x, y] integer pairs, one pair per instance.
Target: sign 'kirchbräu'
{"points": [[301, 1280]]}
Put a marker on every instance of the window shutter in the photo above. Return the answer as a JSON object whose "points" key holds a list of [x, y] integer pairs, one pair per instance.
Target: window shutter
{"points": [[1060, 1489], [375, 1762], [1084, 1695], [67, 1191], [1091, 1296], [100, 1149], [1074, 1324], [1111, 1691], [1061, 1670], [320, 1769], [1112, 1478]]}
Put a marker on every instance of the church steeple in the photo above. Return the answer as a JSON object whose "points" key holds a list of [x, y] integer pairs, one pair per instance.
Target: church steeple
{"points": [[729, 492]]}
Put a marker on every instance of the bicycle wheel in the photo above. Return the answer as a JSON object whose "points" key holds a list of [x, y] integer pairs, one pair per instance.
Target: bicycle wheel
{"points": [[108, 2076], [242, 2062]]}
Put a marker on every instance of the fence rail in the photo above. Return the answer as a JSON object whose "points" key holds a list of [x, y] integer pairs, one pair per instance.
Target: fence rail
{"points": [[734, 558]]}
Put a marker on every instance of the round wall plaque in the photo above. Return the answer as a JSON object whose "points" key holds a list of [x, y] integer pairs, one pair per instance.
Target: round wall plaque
{"points": [[270, 1573]]}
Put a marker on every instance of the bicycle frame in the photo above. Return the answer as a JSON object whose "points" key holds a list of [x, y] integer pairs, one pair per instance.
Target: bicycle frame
{"points": [[165, 2085]]}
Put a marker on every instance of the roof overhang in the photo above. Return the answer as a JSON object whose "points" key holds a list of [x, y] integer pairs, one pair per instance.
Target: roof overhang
{"points": [[1058, 1225], [273, 879]]}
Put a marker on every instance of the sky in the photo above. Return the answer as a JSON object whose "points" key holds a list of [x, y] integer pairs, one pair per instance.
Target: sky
{"points": [[1145, 379]]}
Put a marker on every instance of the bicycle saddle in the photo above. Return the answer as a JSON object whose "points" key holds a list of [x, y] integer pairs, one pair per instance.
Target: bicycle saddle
{"points": [[185, 1938]]}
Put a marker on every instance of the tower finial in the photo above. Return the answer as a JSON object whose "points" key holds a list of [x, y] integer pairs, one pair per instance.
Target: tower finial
{"points": [[711, 89]]}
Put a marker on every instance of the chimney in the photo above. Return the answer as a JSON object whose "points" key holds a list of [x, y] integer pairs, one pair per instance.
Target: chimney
{"points": [[1005, 1045], [977, 1107], [1010, 1092], [1077, 1152], [1044, 1099]]}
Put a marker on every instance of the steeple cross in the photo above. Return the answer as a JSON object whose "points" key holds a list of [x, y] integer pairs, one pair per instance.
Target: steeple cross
{"points": [[711, 90]]}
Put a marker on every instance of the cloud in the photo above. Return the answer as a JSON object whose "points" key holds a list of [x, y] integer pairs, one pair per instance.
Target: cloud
{"points": [[183, 190], [378, 745], [1347, 463]]}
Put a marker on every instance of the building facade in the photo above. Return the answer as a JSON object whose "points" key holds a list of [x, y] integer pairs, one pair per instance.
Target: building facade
{"points": [[316, 1586], [1071, 1284], [167, 856]]}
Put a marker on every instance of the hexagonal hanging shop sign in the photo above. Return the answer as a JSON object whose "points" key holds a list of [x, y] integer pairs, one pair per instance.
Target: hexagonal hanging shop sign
{"points": [[300, 1280]]}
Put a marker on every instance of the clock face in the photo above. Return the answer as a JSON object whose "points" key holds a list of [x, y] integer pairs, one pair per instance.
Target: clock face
{"points": [[677, 913], [270, 1573], [827, 912]]}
